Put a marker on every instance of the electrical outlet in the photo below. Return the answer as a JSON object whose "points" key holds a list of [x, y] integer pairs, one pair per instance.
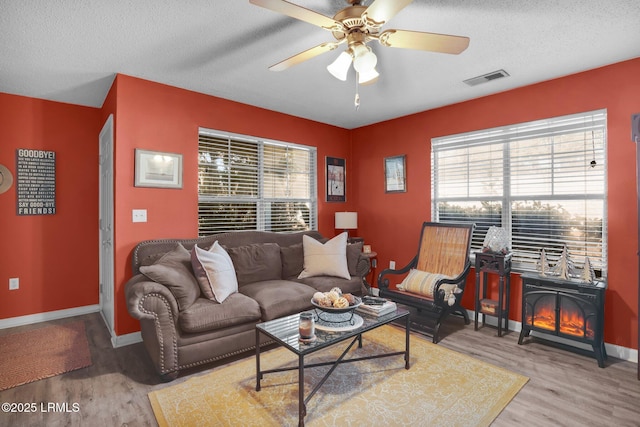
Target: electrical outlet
{"points": [[139, 215], [14, 283], [392, 265]]}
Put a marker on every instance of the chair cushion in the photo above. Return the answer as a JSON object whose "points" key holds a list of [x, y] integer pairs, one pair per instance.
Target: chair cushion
{"points": [[256, 262], [328, 259], [174, 271], [214, 271], [421, 283], [206, 315]]}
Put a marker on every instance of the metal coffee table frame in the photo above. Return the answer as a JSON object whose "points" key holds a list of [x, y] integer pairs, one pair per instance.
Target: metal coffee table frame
{"points": [[284, 331]]}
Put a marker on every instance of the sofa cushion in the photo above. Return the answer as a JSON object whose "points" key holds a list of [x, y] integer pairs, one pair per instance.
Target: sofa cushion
{"points": [[292, 260], [205, 315], [421, 283], [174, 271], [328, 259], [279, 298], [256, 262], [326, 283], [214, 271]]}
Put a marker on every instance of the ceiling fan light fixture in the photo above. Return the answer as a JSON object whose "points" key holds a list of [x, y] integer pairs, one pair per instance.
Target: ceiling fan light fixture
{"points": [[364, 59], [340, 67], [368, 77]]}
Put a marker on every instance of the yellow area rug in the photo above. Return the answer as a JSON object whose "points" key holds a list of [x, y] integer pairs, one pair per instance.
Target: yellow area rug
{"points": [[442, 388]]}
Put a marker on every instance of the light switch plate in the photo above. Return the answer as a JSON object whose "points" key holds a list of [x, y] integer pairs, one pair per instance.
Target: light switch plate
{"points": [[14, 283], [139, 215]]}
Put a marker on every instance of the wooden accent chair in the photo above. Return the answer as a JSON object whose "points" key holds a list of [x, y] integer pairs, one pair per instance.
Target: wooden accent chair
{"points": [[437, 274]]}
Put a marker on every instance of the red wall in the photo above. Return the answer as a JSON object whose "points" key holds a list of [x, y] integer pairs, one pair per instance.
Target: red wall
{"points": [[54, 256], [158, 117], [391, 222]]}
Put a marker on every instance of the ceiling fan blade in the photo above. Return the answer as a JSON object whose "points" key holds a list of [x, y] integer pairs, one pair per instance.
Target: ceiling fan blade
{"points": [[301, 13], [432, 42], [381, 11], [303, 56]]}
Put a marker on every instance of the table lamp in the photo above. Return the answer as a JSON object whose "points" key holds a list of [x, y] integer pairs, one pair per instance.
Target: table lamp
{"points": [[347, 221]]}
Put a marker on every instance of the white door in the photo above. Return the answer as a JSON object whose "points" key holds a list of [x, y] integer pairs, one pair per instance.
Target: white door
{"points": [[106, 224]]}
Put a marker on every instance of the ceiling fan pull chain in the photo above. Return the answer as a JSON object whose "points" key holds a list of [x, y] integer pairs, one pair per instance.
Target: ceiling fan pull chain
{"points": [[357, 98]]}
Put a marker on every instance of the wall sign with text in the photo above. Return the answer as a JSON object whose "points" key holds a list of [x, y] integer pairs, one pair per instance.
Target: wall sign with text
{"points": [[36, 182]]}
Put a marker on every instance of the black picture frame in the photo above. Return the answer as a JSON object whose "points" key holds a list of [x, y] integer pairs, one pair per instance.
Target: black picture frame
{"points": [[336, 179], [395, 174]]}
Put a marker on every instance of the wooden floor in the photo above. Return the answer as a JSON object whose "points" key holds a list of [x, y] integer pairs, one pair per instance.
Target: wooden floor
{"points": [[565, 389]]}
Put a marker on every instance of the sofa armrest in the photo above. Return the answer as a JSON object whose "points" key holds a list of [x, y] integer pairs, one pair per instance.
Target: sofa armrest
{"points": [[138, 291], [156, 308]]}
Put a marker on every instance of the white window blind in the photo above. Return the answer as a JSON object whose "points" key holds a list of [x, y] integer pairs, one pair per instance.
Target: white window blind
{"points": [[246, 183], [543, 181]]}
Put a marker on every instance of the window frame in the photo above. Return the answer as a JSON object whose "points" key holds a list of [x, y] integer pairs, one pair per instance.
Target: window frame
{"points": [[508, 136], [262, 202]]}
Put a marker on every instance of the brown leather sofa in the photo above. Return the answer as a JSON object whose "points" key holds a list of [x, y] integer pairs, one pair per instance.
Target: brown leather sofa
{"points": [[181, 329]]}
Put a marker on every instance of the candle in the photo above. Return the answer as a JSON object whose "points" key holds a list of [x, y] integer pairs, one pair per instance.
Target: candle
{"points": [[307, 326]]}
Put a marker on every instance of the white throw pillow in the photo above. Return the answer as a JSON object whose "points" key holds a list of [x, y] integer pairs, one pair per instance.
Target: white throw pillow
{"points": [[214, 271], [328, 259]]}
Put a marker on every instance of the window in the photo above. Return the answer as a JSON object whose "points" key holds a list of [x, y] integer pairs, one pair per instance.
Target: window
{"points": [[250, 184], [543, 181]]}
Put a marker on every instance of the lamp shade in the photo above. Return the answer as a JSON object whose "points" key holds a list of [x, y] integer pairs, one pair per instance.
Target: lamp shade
{"points": [[347, 220], [363, 59], [340, 67], [368, 77]]}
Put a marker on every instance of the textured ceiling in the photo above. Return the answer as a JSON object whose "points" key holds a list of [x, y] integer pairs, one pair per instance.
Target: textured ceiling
{"points": [[70, 51]]}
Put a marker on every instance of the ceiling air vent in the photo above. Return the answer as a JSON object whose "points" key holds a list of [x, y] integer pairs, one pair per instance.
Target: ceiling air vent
{"points": [[486, 77]]}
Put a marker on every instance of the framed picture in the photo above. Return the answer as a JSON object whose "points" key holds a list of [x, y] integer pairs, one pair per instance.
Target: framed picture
{"points": [[395, 178], [366, 249], [336, 182], [157, 169]]}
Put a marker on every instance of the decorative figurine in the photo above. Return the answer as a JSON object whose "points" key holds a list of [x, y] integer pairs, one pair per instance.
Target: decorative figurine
{"points": [[588, 275], [543, 265], [565, 268]]}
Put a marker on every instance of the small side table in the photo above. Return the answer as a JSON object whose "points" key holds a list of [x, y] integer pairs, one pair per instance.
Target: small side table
{"points": [[500, 264], [373, 258]]}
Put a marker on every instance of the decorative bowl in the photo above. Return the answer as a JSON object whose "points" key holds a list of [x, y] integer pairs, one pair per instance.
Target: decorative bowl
{"points": [[357, 304]]}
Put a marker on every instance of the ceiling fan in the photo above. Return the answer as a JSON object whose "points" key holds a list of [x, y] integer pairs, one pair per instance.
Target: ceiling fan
{"points": [[356, 25]]}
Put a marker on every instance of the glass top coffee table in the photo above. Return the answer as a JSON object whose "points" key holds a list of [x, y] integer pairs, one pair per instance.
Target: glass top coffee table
{"points": [[284, 331]]}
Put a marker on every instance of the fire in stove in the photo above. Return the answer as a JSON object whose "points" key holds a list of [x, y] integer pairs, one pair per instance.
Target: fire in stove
{"points": [[572, 322]]}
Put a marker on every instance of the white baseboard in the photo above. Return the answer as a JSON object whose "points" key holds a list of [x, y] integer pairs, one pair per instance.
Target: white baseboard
{"points": [[124, 340], [617, 351], [116, 340], [47, 316]]}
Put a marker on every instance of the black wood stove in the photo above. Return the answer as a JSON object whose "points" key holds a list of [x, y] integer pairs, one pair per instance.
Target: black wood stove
{"points": [[568, 309]]}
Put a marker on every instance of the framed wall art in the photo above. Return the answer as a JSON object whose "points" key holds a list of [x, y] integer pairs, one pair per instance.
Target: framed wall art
{"points": [[157, 169], [395, 178], [336, 180]]}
